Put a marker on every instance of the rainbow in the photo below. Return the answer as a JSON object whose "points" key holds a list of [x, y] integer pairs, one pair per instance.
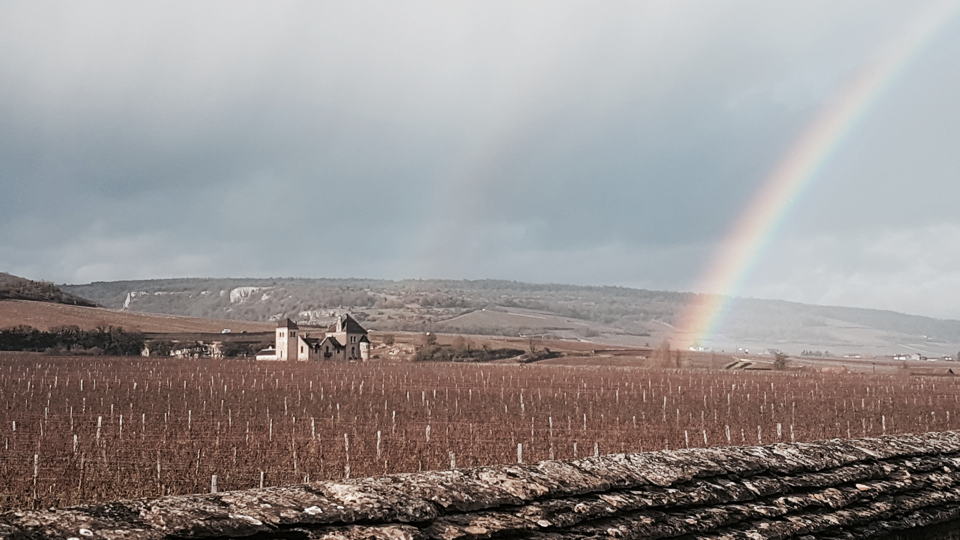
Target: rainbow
{"points": [[756, 226]]}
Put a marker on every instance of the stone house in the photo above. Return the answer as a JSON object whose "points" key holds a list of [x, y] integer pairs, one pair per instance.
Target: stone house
{"points": [[345, 339]]}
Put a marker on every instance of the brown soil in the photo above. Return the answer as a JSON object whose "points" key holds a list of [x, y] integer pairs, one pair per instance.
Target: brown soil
{"points": [[45, 315]]}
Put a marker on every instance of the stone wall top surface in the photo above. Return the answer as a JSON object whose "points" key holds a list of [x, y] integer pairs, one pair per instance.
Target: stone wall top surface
{"points": [[833, 489]]}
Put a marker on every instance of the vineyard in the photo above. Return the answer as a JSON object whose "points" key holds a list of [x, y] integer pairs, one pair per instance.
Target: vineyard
{"points": [[83, 429]]}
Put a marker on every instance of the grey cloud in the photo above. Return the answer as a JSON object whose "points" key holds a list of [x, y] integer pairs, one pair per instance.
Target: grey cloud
{"points": [[605, 143]]}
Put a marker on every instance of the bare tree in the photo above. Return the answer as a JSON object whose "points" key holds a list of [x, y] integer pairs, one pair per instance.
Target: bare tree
{"points": [[662, 354], [779, 360]]}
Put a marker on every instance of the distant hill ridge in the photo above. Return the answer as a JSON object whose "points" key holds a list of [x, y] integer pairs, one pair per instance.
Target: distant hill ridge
{"points": [[17, 288], [615, 314]]}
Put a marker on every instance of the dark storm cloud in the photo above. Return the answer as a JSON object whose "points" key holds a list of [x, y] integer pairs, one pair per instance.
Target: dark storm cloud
{"points": [[550, 141]]}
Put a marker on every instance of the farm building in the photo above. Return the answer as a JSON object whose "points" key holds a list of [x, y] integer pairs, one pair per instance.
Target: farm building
{"points": [[269, 353], [345, 339]]}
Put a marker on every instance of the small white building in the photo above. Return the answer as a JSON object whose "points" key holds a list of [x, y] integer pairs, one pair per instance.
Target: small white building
{"points": [[345, 339], [269, 353]]}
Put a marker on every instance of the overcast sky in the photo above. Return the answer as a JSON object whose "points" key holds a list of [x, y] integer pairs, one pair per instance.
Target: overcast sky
{"points": [[576, 142]]}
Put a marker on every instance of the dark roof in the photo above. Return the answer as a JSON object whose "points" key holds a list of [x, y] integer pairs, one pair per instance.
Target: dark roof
{"points": [[351, 326], [268, 350], [318, 342], [287, 323], [333, 341], [363, 339]]}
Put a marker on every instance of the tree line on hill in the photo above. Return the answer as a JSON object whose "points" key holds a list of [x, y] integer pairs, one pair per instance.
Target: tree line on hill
{"points": [[18, 288], [109, 340], [200, 349], [462, 350]]}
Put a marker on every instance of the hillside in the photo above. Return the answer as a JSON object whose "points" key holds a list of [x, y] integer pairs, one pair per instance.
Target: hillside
{"points": [[617, 315], [46, 315], [17, 288]]}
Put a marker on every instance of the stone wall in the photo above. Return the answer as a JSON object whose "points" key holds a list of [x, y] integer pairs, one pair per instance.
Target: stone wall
{"points": [[852, 488]]}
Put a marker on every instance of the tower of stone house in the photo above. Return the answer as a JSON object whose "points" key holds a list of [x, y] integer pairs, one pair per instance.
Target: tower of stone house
{"points": [[350, 334], [287, 340]]}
